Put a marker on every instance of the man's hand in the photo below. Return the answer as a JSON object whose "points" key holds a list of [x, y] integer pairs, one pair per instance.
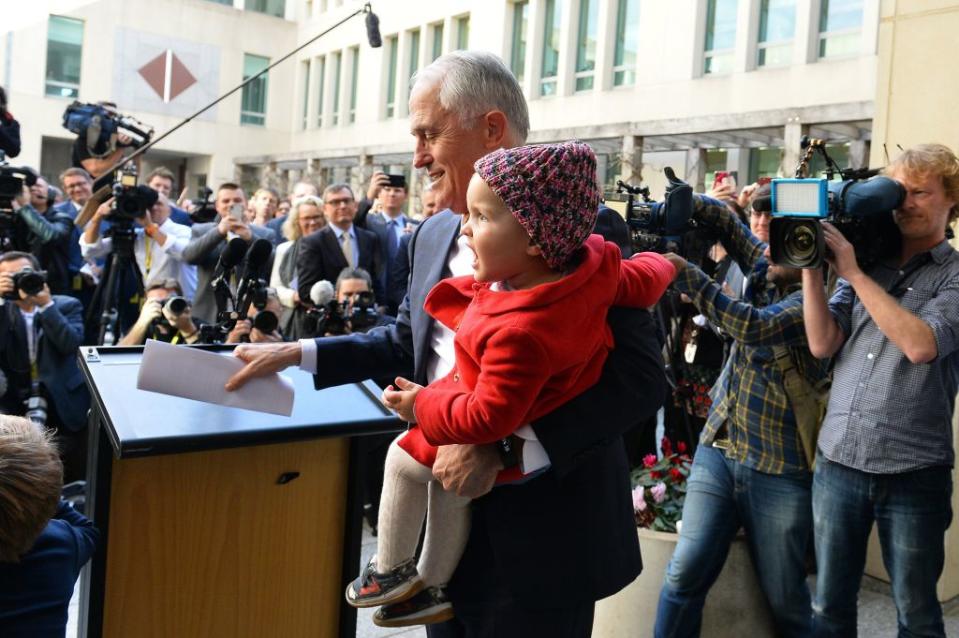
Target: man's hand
{"points": [[723, 192], [240, 329], [401, 401], [258, 336], [468, 470], [747, 194], [103, 210], [6, 283], [678, 262], [152, 309], [377, 182], [263, 360], [843, 255], [241, 229], [40, 299], [223, 226]]}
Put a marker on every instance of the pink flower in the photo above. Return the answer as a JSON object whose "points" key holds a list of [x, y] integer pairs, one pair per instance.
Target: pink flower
{"points": [[658, 491], [639, 499], [649, 460]]}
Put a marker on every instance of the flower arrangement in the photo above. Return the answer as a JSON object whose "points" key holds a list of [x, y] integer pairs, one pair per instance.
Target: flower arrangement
{"points": [[659, 487]]}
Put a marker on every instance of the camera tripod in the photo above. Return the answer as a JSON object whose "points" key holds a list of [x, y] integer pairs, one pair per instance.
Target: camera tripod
{"points": [[105, 305]]}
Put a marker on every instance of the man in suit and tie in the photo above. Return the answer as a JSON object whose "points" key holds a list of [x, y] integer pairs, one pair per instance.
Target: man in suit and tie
{"points": [[341, 244], [39, 337], [541, 552], [208, 241], [391, 226]]}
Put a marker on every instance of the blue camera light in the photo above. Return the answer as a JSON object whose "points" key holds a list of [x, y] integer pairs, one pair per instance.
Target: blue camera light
{"points": [[800, 198]]}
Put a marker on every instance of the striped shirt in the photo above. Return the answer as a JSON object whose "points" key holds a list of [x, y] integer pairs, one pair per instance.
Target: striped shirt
{"points": [[887, 415]]}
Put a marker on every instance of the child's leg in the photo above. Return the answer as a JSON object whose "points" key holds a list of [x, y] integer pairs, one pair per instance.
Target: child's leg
{"points": [[447, 530], [402, 507]]}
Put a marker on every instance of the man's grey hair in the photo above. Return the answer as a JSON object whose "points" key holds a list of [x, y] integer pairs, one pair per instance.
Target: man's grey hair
{"points": [[476, 82], [336, 188]]}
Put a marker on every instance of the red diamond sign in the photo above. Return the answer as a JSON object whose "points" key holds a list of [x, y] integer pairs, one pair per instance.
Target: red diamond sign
{"points": [[167, 75]]}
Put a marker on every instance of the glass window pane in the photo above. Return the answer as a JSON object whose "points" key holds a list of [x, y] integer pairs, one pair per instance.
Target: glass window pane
{"points": [[337, 64], [715, 161], [775, 55], [253, 102], [354, 80], [320, 84], [306, 92], [719, 63], [720, 25], [270, 7], [837, 15], [627, 42], [392, 44], [437, 40], [414, 52], [64, 52], [550, 67], [517, 60], [764, 162], [463, 32], [226, 2], [586, 40], [777, 20]]}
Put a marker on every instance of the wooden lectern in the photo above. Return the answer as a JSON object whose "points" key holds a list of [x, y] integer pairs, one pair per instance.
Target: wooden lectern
{"points": [[219, 521]]}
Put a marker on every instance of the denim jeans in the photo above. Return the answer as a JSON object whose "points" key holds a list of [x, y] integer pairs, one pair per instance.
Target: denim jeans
{"points": [[912, 511], [775, 511]]}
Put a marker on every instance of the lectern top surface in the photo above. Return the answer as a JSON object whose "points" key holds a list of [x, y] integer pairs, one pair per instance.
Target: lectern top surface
{"points": [[142, 423]]}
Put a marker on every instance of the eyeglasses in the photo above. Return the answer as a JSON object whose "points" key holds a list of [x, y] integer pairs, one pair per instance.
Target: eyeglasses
{"points": [[337, 202]]}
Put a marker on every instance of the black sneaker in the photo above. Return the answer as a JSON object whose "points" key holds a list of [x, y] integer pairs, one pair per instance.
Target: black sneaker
{"points": [[374, 588], [428, 606]]}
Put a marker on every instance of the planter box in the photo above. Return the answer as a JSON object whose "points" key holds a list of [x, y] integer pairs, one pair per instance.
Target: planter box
{"points": [[735, 606]]}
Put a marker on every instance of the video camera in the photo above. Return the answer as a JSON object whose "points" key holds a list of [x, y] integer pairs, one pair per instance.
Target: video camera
{"points": [[101, 125], [859, 206], [12, 181], [28, 280], [329, 316], [204, 209], [130, 200]]}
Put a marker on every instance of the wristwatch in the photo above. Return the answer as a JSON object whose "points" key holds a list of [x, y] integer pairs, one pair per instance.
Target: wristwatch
{"points": [[509, 450]]}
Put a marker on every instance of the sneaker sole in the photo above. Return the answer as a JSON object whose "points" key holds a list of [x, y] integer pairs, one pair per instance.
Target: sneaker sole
{"points": [[396, 595], [426, 617]]}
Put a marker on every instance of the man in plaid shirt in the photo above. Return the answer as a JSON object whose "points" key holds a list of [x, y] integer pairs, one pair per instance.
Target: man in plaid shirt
{"points": [[750, 469], [885, 449]]}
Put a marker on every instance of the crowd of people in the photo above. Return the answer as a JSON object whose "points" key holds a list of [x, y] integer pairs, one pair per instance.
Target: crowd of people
{"points": [[521, 348]]}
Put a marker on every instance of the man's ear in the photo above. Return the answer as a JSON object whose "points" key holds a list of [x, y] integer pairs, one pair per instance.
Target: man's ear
{"points": [[494, 129]]}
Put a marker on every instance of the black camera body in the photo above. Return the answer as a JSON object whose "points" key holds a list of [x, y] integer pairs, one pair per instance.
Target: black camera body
{"points": [[12, 181], [28, 280], [205, 209], [131, 200], [338, 318], [100, 126]]}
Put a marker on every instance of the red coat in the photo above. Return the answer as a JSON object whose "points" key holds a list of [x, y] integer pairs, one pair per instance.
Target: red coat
{"points": [[521, 354]]}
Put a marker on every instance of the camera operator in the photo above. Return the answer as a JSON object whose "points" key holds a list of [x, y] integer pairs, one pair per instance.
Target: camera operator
{"points": [[885, 449], [248, 328], [9, 129], [96, 160], [350, 284], [208, 240], [39, 337], [46, 232], [78, 187], [160, 320], [161, 180], [752, 443], [158, 248]]}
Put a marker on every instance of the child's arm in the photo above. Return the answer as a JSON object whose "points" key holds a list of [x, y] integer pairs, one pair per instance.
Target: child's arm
{"points": [[84, 533], [643, 278], [513, 370]]}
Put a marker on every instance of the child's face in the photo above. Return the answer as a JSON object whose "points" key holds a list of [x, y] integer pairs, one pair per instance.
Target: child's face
{"points": [[501, 244]]}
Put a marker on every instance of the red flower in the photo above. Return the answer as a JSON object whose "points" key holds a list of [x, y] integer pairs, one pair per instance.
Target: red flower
{"points": [[667, 447], [681, 447], [649, 460], [676, 475], [655, 475]]}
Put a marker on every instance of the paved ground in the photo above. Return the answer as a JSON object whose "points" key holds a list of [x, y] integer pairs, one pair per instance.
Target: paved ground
{"points": [[877, 613]]}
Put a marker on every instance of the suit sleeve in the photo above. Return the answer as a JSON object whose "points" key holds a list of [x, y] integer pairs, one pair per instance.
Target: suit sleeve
{"points": [[400, 274], [63, 325], [643, 279], [309, 266], [511, 376], [199, 252], [630, 390], [379, 291]]}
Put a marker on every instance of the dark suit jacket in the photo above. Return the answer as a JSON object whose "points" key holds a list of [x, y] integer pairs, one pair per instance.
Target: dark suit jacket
{"points": [[395, 287], [567, 536], [400, 271], [321, 257], [204, 250], [61, 333]]}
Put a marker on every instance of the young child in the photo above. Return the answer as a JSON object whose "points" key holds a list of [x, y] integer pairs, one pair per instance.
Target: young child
{"points": [[531, 334], [43, 545]]}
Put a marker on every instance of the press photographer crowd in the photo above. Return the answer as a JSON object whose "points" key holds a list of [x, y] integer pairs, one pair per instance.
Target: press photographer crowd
{"points": [[800, 334]]}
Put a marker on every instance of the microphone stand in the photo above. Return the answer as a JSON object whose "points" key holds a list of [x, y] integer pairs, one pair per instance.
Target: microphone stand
{"points": [[87, 212]]}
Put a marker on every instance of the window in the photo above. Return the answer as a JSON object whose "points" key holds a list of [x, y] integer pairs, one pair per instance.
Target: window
{"points": [[392, 45], [764, 162], [305, 74], [320, 88], [414, 60], [627, 43], [715, 161], [270, 7], [64, 49], [720, 36], [463, 32], [336, 63], [777, 24], [517, 55], [437, 47], [354, 80], [550, 67], [253, 102], [586, 44], [839, 152], [840, 28], [308, 9], [229, 3]]}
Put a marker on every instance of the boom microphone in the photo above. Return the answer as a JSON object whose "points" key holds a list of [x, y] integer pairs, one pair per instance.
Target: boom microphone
{"points": [[322, 292], [373, 29], [229, 258], [256, 257]]}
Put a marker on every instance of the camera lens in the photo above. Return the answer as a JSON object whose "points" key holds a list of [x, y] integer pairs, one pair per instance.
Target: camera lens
{"points": [[30, 282], [801, 244], [265, 321], [176, 305]]}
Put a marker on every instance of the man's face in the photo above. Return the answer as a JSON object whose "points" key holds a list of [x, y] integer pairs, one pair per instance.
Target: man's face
{"points": [[444, 147], [78, 189], [161, 185], [283, 208], [160, 211], [38, 194], [160, 294], [302, 190], [429, 203], [924, 213], [14, 265], [349, 289], [759, 225], [500, 243], [264, 204], [226, 197], [340, 208], [393, 198], [310, 219]]}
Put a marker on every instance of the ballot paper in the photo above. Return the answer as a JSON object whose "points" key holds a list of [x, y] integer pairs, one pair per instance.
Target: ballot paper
{"points": [[162, 370]]}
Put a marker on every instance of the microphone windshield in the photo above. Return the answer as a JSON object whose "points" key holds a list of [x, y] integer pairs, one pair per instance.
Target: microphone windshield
{"points": [[259, 253], [322, 292], [373, 30], [233, 253]]}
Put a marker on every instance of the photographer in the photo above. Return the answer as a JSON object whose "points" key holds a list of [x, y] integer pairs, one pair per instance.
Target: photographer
{"points": [[9, 129], [350, 285], [248, 327], [161, 180], [160, 320], [46, 232], [885, 449], [751, 468], [39, 337], [97, 158]]}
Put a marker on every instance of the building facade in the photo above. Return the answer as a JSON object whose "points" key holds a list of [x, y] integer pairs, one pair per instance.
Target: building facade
{"points": [[700, 85]]}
